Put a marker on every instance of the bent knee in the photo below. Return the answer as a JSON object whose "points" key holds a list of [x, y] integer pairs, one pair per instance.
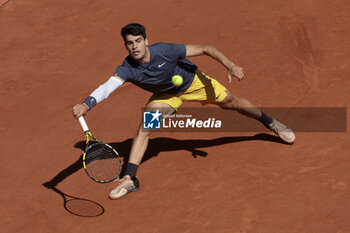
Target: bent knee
{"points": [[230, 102]]}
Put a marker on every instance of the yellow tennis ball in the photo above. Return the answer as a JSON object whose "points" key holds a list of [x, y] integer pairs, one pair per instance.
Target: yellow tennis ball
{"points": [[177, 80]]}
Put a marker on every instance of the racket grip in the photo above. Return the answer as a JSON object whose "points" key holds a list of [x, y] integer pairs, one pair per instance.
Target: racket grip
{"points": [[83, 124]]}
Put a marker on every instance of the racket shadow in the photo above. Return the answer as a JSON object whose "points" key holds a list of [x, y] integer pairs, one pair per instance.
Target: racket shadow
{"points": [[77, 206]]}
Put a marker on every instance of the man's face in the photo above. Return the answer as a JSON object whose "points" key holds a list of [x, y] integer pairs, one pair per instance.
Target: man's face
{"points": [[136, 46]]}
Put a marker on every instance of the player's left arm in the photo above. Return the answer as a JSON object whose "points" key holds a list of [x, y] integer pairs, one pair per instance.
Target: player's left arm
{"points": [[97, 96], [201, 49]]}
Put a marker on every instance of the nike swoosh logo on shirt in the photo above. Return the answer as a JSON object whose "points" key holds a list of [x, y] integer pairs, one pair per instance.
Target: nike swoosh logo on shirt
{"points": [[160, 65]]}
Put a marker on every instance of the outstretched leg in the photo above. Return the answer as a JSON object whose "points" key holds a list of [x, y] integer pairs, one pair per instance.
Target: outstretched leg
{"points": [[130, 183], [246, 108], [241, 105]]}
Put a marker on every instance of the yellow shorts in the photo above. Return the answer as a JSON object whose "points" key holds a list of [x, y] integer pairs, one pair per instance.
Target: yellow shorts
{"points": [[203, 89]]}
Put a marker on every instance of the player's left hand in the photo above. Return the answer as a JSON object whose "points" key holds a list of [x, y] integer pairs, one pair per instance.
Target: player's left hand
{"points": [[235, 71]]}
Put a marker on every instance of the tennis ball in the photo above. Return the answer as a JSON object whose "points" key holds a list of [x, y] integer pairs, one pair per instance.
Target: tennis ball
{"points": [[177, 80]]}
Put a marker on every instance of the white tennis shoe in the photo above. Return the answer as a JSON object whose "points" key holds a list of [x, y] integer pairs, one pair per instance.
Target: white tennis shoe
{"points": [[125, 186], [282, 131]]}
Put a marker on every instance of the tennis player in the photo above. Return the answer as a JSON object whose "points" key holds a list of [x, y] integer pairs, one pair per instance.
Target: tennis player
{"points": [[151, 67]]}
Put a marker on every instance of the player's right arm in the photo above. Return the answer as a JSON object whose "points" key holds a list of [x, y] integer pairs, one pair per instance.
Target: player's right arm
{"points": [[97, 96], [202, 49]]}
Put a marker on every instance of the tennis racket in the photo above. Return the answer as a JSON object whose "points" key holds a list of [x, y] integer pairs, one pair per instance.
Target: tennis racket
{"points": [[101, 162]]}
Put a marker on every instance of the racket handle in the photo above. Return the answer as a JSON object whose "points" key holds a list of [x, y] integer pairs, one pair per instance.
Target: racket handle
{"points": [[83, 124]]}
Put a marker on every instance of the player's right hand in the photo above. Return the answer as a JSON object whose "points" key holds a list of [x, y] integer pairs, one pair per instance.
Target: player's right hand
{"points": [[80, 110], [235, 71]]}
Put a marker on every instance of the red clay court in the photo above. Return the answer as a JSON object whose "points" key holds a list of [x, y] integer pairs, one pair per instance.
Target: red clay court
{"points": [[294, 54]]}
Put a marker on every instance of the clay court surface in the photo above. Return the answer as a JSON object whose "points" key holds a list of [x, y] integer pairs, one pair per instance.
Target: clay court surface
{"points": [[54, 53]]}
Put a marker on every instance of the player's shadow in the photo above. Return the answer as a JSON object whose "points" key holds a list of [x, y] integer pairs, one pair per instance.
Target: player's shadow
{"points": [[157, 145], [74, 167]]}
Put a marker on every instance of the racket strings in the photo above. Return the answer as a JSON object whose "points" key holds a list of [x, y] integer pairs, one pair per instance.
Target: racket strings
{"points": [[102, 162]]}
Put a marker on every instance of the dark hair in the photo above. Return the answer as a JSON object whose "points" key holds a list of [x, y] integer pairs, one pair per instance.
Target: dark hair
{"points": [[134, 29]]}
